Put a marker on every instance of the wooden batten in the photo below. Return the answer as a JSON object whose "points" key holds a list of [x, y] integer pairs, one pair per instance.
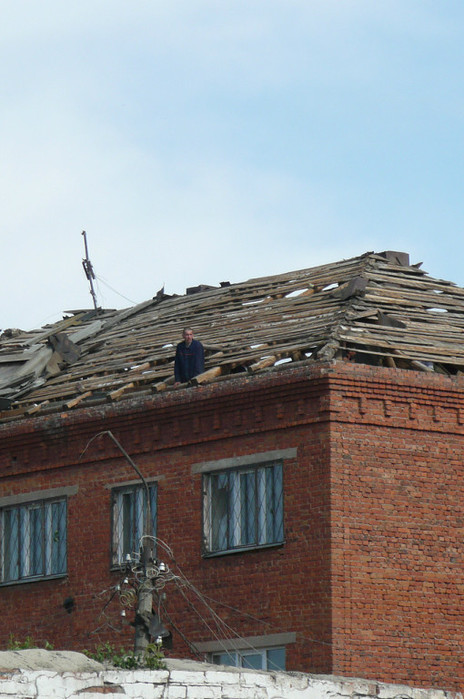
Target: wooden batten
{"points": [[207, 376], [115, 395], [75, 401], [141, 367], [163, 385], [36, 408], [419, 318], [263, 363]]}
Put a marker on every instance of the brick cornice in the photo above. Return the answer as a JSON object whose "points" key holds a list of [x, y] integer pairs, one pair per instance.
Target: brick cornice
{"points": [[397, 398], [270, 402], [275, 400]]}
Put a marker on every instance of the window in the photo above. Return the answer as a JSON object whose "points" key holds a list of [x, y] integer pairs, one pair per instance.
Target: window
{"points": [[243, 508], [256, 659], [267, 652], [129, 516], [33, 540]]}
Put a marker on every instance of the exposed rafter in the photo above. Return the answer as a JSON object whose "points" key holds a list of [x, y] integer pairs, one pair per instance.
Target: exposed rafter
{"points": [[375, 309]]}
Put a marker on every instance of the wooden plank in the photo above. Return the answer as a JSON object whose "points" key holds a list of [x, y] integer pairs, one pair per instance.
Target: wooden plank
{"points": [[36, 408], [115, 395], [75, 401], [140, 368], [131, 350], [263, 363], [163, 385], [61, 326], [207, 376]]}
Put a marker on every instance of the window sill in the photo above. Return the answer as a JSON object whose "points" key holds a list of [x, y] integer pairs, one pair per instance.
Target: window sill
{"points": [[243, 549], [122, 567], [34, 579]]}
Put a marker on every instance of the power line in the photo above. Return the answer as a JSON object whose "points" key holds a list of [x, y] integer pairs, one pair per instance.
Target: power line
{"points": [[100, 279]]}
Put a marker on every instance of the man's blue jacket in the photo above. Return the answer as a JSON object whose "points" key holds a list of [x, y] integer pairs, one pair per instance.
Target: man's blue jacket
{"points": [[189, 362]]}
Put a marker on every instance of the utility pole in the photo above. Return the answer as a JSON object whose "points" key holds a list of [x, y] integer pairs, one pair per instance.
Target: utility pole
{"points": [[89, 273], [145, 593], [145, 620]]}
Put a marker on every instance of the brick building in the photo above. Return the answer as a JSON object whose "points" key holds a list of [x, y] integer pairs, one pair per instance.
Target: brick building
{"points": [[306, 491]]}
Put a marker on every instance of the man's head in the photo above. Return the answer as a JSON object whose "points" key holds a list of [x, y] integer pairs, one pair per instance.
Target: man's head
{"points": [[187, 334]]}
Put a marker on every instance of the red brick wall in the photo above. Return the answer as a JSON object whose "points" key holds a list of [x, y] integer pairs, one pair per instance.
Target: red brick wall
{"points": [[283, 588], [370, 575], [398, 526]]}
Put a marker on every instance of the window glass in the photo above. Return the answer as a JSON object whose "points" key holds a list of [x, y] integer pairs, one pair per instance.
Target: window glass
{"points": [[276, 659], [224, 659], [10, 540], [129, 520], [219, 498], [57, 539], [243, 508], [33, 541], [254, 661], [248, 507], [258, 659]]}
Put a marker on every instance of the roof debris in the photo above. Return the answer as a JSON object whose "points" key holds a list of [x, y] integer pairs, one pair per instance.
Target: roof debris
{"points": [[373, 309]]}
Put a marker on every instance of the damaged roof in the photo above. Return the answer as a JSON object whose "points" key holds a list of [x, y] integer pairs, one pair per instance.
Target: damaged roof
{"points": [[374, 309]]}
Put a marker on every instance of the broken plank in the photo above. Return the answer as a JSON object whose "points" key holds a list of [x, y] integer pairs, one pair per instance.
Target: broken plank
{"points": [[207, 376], [163, 385], [263, 363], [75, 401], [115, 395], [35, 408]]}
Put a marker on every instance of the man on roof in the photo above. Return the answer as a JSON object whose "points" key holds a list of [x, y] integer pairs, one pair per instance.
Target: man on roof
{"points": [[190, 358]]}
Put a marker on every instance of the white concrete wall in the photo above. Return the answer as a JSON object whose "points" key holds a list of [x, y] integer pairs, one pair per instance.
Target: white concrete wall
{"points": [[198, 682]]}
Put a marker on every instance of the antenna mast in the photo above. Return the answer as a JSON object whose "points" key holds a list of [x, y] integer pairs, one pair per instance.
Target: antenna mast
{"points": [[89, 273]]}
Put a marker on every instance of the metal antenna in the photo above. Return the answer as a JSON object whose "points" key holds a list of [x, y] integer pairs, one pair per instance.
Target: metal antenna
{"points": [[89, 273]]}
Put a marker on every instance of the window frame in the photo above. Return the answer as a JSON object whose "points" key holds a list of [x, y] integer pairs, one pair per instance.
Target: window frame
{"points": [[33, 519], [237, 518], [240, 656], [117, 547], [247, 645]]}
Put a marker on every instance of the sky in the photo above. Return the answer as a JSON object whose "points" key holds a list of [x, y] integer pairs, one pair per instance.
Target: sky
{"points": [[220, 140]]}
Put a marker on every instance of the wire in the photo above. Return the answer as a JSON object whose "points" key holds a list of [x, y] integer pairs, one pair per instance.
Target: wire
{"points": [[182, 635], [181, 582], [192, 606], [204, 599], [100, 279], [220, 623], [163, 544], [228, 633], [214, 625], [228, 638], [226, 629], [115, 590], [267, 623]]}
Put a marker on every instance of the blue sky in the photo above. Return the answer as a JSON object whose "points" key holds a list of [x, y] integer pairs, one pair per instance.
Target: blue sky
{"points": [[204, 141]]}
